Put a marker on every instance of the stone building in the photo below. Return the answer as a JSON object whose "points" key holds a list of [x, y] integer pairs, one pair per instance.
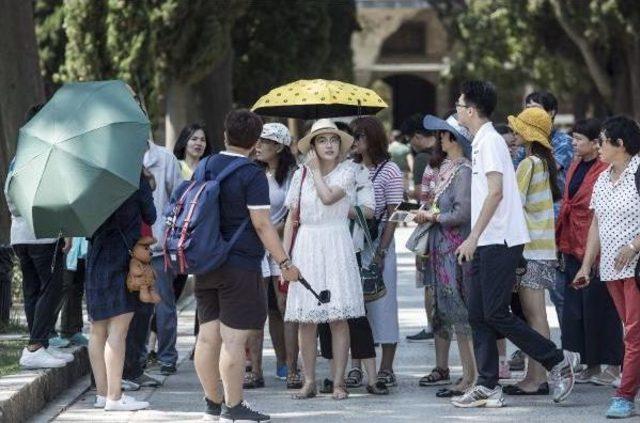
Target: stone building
{"points": [[402, 49]]}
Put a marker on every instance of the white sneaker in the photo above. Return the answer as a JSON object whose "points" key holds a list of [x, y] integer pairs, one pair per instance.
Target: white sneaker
{"points": [[480, 396], [617, 381], [66, 357], [39, 359], [129, 385], [100, 402], [125, 403]]}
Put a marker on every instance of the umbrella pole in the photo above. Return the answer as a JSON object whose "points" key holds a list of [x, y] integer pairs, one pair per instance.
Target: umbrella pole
{"points": [[55, 251]]}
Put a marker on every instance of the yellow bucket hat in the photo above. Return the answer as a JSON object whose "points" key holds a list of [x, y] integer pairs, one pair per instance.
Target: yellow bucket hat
{"points": [[533, 124]]}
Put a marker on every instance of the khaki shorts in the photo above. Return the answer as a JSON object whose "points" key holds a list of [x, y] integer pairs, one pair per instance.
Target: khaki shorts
{"points": [[235, 296]]}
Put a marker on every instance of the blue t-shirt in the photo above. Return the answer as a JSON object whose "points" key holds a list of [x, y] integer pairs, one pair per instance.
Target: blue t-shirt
{"points": [[246, 188]]}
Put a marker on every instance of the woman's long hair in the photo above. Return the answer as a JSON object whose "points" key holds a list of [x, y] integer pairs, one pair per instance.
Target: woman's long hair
{"points": [[286, 163], [181, 143], [436, 153], [549, 162], [377, 142]]}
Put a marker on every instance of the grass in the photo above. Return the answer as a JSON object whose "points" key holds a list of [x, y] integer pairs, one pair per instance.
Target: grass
{"points": [[13, 326], [9, 356]]}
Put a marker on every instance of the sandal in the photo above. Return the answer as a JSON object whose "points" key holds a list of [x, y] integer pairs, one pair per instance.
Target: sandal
{"points": [[354, 378], [340, 393], [543, 389], [252, 381], [437, 377], [294, 381], [327, 387], [388, 378], [305, 394], [378, 388]]}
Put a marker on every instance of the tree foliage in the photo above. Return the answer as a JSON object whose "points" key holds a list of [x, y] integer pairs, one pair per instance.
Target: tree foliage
{"points": [[278, 41], [581, 47]]}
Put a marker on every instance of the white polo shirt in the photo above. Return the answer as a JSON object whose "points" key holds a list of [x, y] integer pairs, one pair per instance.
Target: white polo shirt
{"points": [[490, 154]]}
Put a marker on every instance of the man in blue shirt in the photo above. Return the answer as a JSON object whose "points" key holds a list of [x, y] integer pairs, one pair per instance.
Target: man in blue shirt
{"points": [[232, 299]]}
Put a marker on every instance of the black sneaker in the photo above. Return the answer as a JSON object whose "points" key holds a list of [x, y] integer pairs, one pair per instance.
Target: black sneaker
{"points": [[242, 413], [422, 336], [212, 409], [168, 369]]}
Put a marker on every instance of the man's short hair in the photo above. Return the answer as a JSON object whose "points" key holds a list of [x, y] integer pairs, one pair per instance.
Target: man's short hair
{"points": [[623, 128], [243, 128], [413, 125], [481, 95], [548, 101]]}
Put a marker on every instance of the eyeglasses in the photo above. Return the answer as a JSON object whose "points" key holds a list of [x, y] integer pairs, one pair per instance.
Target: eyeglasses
{"points": [[359, 137], [463, 106], [332, 140]]}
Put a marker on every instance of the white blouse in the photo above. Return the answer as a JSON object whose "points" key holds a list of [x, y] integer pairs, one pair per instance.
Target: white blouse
{"points": [[617, 207]]}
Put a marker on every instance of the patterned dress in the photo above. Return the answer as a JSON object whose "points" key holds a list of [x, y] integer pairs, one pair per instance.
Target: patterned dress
{"points": [[453, 192]]}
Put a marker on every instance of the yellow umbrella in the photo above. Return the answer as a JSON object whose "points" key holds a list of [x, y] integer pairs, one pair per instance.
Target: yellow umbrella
{"points": [[319, 98]]}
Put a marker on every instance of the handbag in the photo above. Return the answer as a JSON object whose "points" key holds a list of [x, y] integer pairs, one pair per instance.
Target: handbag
{"points": [[418, 241], [373, 287], [283, 286]]}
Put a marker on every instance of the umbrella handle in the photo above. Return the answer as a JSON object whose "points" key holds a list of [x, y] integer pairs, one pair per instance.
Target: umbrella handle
{"points": [[359, 108]]}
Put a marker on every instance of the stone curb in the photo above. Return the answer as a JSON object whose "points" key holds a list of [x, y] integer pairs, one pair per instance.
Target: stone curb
{"points": [[24, 393]]}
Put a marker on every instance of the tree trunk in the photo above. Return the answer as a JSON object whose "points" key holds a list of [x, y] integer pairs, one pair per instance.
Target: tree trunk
{"points": [[20, 85], [633, 70], [175, 113], [214, 99]]}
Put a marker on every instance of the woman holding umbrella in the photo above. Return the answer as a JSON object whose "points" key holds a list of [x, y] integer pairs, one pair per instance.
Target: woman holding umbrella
{"points": [[323, 250], [109, 304]]}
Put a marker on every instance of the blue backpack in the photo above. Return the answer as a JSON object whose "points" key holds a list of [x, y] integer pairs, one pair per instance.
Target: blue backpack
{"points": [[193, 242]]}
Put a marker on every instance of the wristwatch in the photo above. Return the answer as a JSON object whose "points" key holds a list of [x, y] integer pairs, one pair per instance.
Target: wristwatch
{"points": [[285, 264]]}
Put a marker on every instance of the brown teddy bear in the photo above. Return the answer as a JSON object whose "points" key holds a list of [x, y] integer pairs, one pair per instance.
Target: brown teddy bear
{"points": [[141, 275]]}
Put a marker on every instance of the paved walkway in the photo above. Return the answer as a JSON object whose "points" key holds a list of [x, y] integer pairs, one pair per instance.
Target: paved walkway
{"points": [[180, 398]]}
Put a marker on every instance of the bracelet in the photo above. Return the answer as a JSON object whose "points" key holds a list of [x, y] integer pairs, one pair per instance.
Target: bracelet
{"points": [[285, 264], [633, 247]]}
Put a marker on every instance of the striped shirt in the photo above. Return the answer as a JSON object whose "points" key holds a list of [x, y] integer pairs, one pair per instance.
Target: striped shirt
{"points": [[388, 186], [535, 192]]}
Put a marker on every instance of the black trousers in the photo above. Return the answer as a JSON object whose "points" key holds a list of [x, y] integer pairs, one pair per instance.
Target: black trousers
{"points": [[489, 297], [6, 274], [41, 287], [590, 322], [71, 302], [137, 337], [360, 338]]}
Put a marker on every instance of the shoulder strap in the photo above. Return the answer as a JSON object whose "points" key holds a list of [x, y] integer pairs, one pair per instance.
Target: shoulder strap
{"points": [[637, 179], [375, 175], [200, 173], [362, 222]]}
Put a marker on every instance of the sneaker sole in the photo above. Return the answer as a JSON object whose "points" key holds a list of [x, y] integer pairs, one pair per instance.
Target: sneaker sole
{"points": [[417, 341], [226, 420], [42, 367], [481, 404]]}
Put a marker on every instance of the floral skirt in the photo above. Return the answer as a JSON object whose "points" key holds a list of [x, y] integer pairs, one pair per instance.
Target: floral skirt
{"points": [[540, 274]]}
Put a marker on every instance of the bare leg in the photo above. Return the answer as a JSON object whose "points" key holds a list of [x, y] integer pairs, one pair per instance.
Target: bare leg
{"points": [[502, 347], [442, 351], [206, 359], [254, 343], [370, 368], [388, 355], [276, 329], [232, 363], [114, 353], [428, 303], [533, 306], [308, 348], [97, 342], [340, 345], [469, 373]]}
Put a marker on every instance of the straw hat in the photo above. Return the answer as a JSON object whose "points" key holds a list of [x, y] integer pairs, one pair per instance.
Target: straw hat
{"points": [[325, 126], [533, 124]]}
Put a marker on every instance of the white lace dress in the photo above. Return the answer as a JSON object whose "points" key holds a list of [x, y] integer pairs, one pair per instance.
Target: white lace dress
{"points": [[323, 252]]}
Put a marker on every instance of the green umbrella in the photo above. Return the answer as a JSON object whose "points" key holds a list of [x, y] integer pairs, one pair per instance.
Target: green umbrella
{"points": [[79, 158]]}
